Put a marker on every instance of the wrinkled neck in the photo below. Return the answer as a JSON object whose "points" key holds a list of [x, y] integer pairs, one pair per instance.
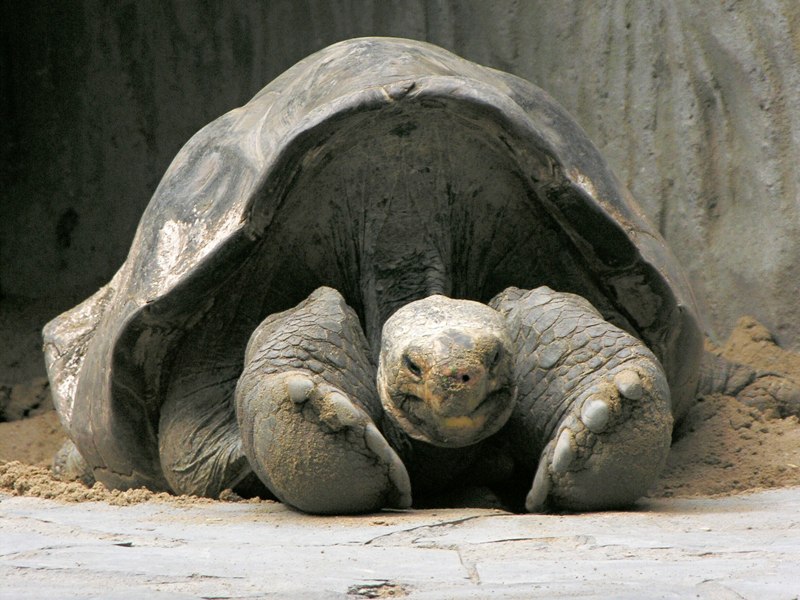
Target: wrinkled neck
{"points": [[416, 270]]}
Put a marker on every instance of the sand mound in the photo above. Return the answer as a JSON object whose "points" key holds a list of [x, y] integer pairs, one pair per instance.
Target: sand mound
{"points": [[728, 447]]}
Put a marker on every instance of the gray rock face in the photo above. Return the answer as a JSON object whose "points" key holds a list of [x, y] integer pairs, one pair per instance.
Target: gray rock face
{"points": [[696, 108], [24, 399]]}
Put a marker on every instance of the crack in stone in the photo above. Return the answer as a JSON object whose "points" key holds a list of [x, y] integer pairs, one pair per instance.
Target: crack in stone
{"points": [[430, 527], [470, 566], [718, 589]]}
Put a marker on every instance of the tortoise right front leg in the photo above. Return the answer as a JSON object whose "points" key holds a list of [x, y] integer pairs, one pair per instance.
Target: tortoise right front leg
{"points": [[306, 405]]}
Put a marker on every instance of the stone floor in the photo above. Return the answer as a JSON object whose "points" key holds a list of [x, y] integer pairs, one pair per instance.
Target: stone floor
{"points": [[734, 547]]}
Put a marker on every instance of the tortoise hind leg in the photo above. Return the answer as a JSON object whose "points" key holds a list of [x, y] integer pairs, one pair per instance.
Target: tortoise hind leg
{"points": [[307, 406], [198, 440], [593, 416], [69, 465]]}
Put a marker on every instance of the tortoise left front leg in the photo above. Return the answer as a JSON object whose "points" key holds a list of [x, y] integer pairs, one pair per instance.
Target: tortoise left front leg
{"points": [[593, 404]]}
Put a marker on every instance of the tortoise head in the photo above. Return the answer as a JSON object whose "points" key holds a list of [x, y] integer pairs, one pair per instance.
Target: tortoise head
{"points": [[445, 371]]}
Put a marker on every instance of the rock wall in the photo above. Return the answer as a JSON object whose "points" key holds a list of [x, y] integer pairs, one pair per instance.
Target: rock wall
{"points": [[695, 105]]}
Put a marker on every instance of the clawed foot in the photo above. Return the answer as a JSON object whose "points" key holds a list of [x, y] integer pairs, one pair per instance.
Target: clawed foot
{"points": [[317, 450], [610, 447]]}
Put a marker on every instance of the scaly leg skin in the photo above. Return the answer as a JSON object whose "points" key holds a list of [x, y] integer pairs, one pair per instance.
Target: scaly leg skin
{"points": [[771, 392], [593, 404], [307, 406], [69, 465]]}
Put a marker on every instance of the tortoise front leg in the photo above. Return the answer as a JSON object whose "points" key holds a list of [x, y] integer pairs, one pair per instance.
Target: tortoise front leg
{"points": [[306, 405], [593, 419]]}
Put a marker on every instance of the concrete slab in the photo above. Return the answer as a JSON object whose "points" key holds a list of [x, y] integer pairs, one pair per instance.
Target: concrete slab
{"points": [[735, 547]]}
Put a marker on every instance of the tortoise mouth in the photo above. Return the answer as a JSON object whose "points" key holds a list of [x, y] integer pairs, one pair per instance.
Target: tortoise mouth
{"points": [[455, 430]]}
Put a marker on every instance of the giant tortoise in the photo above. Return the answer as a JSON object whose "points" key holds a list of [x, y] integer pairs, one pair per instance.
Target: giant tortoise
{"points": [[392, 272]]}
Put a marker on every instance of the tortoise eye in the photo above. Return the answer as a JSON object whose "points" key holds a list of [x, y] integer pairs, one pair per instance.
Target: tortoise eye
{"points": [[412, 366]]}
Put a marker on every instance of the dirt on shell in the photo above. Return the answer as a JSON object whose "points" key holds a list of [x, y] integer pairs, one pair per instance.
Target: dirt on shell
{"points": [[723, 447]]}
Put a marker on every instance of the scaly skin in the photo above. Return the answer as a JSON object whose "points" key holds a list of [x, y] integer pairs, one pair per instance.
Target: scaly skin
{"points": [[306, 409], [444, 373], [593, 416], [590, 423]]}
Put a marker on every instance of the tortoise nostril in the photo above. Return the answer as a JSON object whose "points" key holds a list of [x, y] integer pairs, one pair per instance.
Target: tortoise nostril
{"points": [[464, 378]]}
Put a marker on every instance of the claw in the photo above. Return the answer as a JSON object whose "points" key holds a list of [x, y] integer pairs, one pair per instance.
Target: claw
{"points": [[595, 415], [629, 384], [564, 453], [299, 389], [537, 496], [342, 412], [397, 470]]}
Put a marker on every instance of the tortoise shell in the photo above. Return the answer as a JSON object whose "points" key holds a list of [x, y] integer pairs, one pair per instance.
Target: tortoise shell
{"points": [[369, 166]]}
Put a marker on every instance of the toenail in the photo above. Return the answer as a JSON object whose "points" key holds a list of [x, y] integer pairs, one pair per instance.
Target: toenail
{"points": [[299, 389], [629, 384], [347, 414], [564, 453], [397, 471], [534, 501], [595, 415]]}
